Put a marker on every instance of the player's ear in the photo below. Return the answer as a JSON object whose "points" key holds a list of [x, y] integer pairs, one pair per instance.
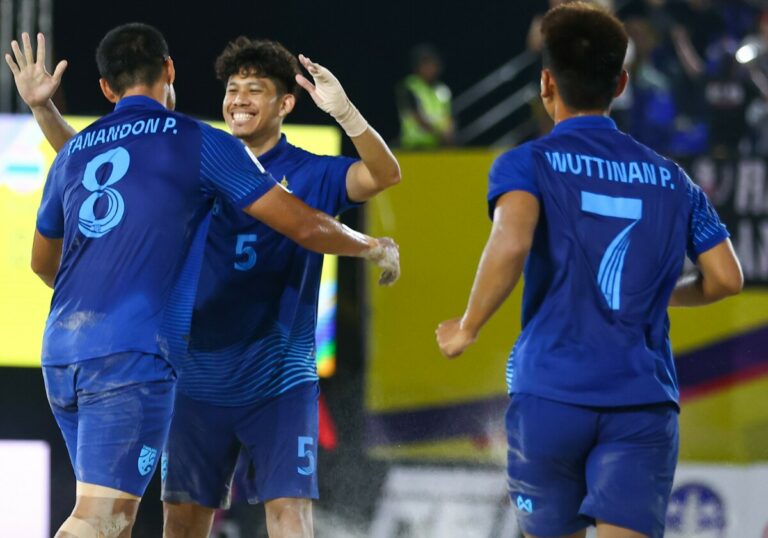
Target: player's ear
{"points": [[547, 85], [288, 101], [171, 69], [623, 81], [111, 96]]}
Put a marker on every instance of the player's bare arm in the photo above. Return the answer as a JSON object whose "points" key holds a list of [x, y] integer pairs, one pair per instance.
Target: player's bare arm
{"points": [[378, 168], [514, 222], [36, 86], [46, 257], [719, 276], [319, 232]]}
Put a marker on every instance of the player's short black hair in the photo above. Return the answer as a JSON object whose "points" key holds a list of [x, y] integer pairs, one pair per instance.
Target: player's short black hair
{"points": [[584, 48], [262, 58], [130, 55]]}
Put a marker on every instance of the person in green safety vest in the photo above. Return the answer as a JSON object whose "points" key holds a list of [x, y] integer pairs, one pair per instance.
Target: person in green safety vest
{"points": [[424, 103]]}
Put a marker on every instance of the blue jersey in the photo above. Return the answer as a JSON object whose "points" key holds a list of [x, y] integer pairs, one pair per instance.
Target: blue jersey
{"points": [[616, 221], [243, 351], [129, 196]]}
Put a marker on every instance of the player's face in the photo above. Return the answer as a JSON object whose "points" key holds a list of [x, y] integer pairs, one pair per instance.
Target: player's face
{"points": [[252, 106]]}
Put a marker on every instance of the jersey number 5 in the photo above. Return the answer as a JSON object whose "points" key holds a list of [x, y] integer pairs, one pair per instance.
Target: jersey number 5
{"points": [[612, 262], [244, 247], [305, 451]]}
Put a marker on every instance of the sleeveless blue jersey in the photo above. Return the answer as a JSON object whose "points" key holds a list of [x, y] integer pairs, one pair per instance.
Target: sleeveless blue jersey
{"points": [[253, 328], [616, 222], [130, 195]]}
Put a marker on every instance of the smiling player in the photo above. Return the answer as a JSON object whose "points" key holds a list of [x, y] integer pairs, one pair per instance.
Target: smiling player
{"points": [[120, 234], [249, 380]]}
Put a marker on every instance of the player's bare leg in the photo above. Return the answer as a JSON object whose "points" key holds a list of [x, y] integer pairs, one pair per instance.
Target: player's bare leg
{"points": [[100, 512], [606, 530], [289, 517], [187, 520]]}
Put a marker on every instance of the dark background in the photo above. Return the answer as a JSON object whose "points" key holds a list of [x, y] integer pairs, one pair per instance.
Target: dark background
{"points": [[365, 44]]}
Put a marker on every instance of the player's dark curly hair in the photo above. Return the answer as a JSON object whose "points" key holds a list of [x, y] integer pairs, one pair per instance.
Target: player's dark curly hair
{"points": [[260, 57], [130, 55], [584, 48]]}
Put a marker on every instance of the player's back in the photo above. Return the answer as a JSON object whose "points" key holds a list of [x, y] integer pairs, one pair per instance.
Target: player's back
{"points": [[130, 192], [609, 247]]}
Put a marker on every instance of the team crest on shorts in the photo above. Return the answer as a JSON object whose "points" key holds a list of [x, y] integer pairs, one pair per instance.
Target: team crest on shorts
{"points": [[147, 460]]}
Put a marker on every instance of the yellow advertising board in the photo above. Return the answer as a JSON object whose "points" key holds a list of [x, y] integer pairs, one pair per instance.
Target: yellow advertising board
{"points": [[25, 158], [422, 406]]}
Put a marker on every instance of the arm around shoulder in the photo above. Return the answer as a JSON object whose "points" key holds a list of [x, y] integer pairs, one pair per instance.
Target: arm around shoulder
{"points": [[319, 232]]}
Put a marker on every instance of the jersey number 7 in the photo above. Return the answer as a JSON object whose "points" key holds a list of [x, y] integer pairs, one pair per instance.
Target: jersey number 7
{"points": [[612, 262]]}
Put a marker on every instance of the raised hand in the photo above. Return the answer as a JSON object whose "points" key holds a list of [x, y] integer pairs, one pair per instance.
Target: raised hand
{"points": [[35, 85], [329, 96], [326, 92]]}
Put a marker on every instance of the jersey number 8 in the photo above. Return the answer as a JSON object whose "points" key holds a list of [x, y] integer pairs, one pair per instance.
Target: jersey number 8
{"points": [[90, 225]]}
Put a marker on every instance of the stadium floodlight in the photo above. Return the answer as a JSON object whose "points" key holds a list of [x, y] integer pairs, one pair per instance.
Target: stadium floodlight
{"points": [[751, 49]]}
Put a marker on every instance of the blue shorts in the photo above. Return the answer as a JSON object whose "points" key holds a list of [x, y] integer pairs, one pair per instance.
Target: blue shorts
{"points": [[278, 435], [570, 465], [115, 413]]}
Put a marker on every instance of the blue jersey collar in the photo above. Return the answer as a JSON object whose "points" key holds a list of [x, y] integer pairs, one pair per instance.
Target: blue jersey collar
{"points": [[138, 100], [584, 122], [276, 151]]}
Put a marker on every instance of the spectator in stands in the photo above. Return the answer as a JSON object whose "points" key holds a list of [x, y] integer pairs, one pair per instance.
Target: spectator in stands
{"points": [[756, 62], [424, 103], [695, 25], [728, 91], [650, 113]]}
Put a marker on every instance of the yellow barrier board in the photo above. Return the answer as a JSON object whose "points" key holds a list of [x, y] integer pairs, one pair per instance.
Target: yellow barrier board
{"points": [[439, 217], [25, 158]]}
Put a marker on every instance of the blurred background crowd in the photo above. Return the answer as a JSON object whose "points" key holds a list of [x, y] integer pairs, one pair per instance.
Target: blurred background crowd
{"points": [[698, 81]]}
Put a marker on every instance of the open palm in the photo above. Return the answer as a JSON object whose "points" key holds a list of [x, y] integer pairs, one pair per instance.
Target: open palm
{"points": [[33, 82]]}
